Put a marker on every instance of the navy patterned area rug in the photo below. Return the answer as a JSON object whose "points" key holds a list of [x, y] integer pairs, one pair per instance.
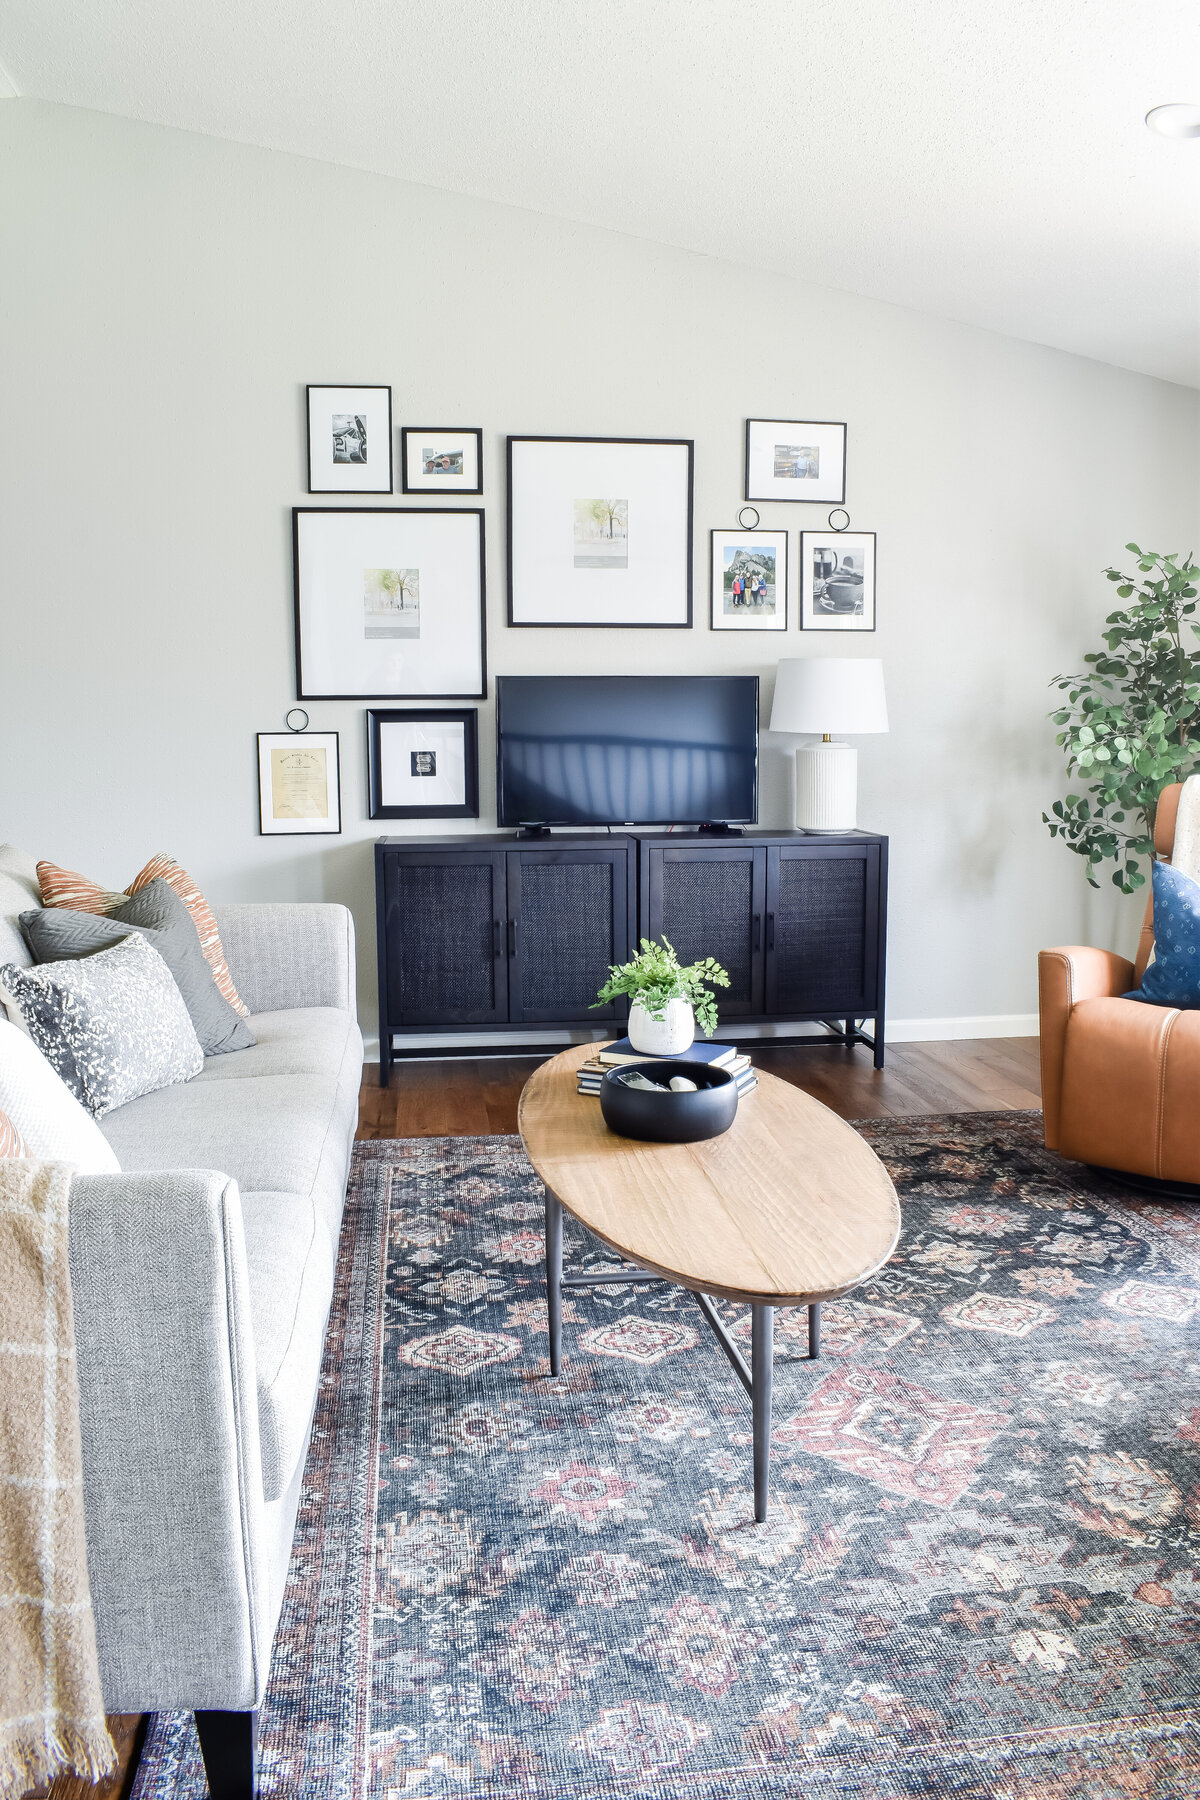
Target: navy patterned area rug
{"points": [[979, 1577]]}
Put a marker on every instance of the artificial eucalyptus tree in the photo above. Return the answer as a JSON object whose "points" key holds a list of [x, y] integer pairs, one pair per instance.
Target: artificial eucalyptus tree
{"points": [[1131, 722]]}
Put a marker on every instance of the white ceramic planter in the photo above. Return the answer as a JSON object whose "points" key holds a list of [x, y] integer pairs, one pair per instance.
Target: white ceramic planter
{"points": [[674, 1033]]}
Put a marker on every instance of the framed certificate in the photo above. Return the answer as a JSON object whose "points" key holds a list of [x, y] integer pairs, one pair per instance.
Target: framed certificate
{"points": [[299, 784]]}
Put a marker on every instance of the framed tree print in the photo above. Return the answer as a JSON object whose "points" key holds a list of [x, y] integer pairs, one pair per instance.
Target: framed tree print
{"points": [[787, 459], [436, 459], [749, 580], [837, 580], [349, 440], [389, 603], [423, 765], [600, 531], [299, 784]]}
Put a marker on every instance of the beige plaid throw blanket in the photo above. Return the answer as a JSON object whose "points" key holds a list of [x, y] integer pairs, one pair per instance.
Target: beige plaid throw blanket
{"points": [[51, 1713]]}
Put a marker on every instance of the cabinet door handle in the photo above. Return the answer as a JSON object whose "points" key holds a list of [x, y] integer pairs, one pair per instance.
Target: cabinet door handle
{"points": [[770, 931], [512, 937], [495, 937], [756, 932]]}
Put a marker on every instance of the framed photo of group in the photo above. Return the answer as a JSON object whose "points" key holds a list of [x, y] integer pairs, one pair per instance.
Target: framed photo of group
{"points": [[749, 573], [389, 603], [600, 531], [837, 581], [436, 459], [789, 459]]}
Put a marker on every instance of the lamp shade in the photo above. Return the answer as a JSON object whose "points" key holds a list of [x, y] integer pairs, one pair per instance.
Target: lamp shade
{"points": [[829, 693]]}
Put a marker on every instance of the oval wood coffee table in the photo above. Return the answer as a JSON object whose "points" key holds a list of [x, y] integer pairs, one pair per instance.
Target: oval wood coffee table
{"points": [[788, 1208]]}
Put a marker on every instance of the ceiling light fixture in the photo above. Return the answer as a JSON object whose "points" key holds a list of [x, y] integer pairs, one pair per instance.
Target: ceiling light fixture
{"points": [[1175, 121]]}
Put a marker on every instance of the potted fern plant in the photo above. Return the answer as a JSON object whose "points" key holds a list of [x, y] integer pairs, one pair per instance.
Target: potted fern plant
{"points": [[667, 1001]]}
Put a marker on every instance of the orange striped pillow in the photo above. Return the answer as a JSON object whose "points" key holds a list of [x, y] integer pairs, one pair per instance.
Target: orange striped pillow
{"points": [[62, 887], [11, 1143]]}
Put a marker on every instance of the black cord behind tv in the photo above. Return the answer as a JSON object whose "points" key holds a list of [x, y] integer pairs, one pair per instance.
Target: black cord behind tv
{"points": [[626, 749]]}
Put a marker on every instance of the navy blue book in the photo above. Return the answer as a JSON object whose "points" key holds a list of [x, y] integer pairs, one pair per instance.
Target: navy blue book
{"points": [[623, 1052]]}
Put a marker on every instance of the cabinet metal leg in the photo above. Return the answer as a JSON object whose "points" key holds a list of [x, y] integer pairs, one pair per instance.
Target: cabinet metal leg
{"points": [[554, 1230], [762, 1344], [879, 1040], [814, 1329]]}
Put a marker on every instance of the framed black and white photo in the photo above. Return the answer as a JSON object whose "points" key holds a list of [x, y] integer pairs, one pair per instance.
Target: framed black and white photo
{"points": [[434, 459], [837, 580], [423, 765], [600, 531], [349, 440], [788, 459], [299, 784], [389, 603], [749, 576]]}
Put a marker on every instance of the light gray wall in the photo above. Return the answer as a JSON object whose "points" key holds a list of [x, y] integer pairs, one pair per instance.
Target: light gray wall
{"points": [[165, 297]]}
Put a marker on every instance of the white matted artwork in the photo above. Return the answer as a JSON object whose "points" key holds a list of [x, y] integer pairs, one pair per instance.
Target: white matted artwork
{"points": [[423, 765], [599, 531], [440, 460], [389, 603], [749, 573], [837, 581], [349, 440], [789, 459], [299, 783]]}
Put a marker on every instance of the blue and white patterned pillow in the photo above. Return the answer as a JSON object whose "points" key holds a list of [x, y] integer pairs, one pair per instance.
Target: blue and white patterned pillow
{"points": [[113, 1025], [1173, 978]]}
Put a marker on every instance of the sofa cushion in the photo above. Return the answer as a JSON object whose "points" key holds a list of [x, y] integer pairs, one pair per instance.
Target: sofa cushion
{"points": [[52, 1123], [279, 1118]]}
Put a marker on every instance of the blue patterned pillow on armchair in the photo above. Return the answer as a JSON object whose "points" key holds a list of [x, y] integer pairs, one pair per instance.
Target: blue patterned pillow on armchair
{"points": [[1173, 978]]}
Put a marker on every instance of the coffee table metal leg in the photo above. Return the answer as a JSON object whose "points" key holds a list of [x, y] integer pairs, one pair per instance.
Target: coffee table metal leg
{"points": [[814, 1329], [762, 1343], [554, 1243]]}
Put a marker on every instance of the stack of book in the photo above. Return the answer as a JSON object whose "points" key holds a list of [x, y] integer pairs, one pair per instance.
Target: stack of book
{"points": [[720, 1056]]}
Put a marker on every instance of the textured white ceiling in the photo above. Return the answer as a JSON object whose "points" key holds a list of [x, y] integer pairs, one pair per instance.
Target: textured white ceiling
{"points": [[981, 159]]}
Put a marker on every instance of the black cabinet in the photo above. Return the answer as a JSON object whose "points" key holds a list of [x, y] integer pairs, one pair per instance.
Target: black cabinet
{"points": [[485, 932], [798, 920]]}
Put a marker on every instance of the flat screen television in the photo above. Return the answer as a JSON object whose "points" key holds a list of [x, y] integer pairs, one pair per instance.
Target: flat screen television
{"points": [[626, 749]]}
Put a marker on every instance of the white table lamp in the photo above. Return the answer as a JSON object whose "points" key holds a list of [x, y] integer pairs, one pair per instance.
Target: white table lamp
{"points": [[824, 694]]}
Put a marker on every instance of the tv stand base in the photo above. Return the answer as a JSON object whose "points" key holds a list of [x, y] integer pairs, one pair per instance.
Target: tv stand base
{"points": [[722, 830]]}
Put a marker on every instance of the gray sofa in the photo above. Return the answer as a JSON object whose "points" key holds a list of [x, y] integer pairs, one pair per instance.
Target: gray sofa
{"points": [[202, 1277]]}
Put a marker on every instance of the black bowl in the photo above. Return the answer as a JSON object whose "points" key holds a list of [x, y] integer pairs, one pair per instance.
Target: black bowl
{"points": [[669, 1118]]}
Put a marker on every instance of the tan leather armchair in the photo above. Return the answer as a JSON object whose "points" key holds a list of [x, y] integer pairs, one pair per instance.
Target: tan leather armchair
{"points": [[1120, 1079]]}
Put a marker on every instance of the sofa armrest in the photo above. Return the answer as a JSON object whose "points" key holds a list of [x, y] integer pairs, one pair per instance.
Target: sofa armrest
{"points": [[1065, 977], [281, 956], [168, 1406]]}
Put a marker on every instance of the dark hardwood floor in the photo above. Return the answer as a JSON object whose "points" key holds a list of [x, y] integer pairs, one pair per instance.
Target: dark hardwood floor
{"points": [[477, 1097]]}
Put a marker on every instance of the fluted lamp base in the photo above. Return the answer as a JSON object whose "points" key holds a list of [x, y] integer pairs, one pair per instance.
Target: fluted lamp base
{"points": [[826, 787]]}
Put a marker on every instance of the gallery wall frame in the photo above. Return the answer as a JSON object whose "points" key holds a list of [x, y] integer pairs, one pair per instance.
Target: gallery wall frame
{"points": [[299, 784], [424, 447], [837, 580], [423, 764], [389, 602], [750, 556], [349, 431], [600, 532], [795, 460]]}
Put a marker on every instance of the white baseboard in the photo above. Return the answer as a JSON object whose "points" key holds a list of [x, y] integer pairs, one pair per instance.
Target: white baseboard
{"points": [[898, 1031]]}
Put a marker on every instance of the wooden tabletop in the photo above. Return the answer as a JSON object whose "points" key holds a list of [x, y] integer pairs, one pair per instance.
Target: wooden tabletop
{"points": [[787, 1207]]}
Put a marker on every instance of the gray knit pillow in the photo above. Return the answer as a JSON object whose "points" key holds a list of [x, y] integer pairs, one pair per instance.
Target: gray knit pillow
{"points": [[112, 1025]]}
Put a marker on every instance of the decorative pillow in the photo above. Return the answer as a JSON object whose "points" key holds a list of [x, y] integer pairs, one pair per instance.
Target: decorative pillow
{"points": [[114, 1025], [61, 887], [56, 933], [52, 1124], [1173, 978], [11, 1141]]}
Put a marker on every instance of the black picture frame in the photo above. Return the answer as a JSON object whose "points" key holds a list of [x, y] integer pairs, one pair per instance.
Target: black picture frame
{"points": [[351, 512], [826, 497], [379, 717], [809, 620], [463, 431], [298, 741], [364, 387], [687, 445], [761, 535]]}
